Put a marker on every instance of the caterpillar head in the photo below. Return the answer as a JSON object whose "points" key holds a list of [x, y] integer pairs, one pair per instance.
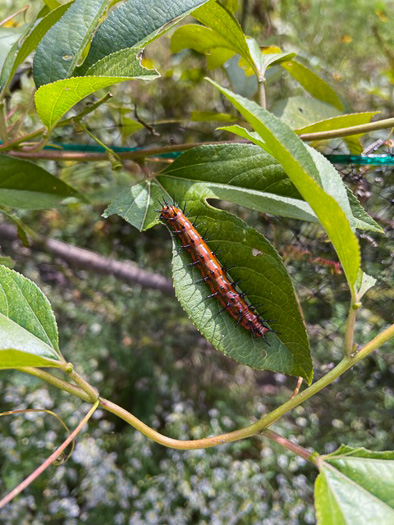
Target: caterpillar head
{"points": [[168, 212]]}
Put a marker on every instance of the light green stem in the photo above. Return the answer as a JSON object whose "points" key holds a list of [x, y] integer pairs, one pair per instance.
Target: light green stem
{"points": [[263, 423], [346, 132], [84, 385], [261, 93], [13, 143], [351, 321], [55, 381], [3, 123], [251, 430]]}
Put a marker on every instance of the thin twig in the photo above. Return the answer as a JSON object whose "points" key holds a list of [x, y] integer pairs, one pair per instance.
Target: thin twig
{"points": [[346, 132], [16, 128], [10, 17], [46, 411], [296, 449], [351, 322], [261, 93], [297, 388], [26, 482], [3, 123], [130, 155], [149, 127], [89, 260]]}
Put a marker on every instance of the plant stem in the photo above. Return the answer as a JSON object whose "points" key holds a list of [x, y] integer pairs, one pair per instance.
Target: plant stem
{"points": [[111, 155], [263, 423], [262, 98], [297, 388], [131, 155], [91, 391], [3, 123], [244, 13], [351, 321], [22, 10], [249, 431], [18, 125], [127, 271], [82, 156], [127, 155], [55, 381], [296, 449], [6, 146], [88, 109], [345, 132], [26, 482]]}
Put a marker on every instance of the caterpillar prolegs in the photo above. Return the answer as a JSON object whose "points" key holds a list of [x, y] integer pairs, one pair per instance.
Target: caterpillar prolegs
{"points": [[212, 272]]}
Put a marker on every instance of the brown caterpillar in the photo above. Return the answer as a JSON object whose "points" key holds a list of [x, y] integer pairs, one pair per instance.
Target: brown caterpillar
{"points": [[212, 272]]}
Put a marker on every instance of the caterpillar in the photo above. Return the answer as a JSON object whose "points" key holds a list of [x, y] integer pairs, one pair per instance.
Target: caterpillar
{"points": [[212, 272]]}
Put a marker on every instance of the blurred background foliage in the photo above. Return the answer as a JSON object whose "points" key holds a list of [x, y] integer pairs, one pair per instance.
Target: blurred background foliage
{"points": [[138, 347]]}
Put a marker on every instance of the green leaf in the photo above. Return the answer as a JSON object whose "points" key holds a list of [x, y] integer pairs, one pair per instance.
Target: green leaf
{"points": [[34, 355], [338, 122], [20, 228], [52, 4], [126, 63], [61, 48], [264, 60], [134, 205], [328, 178], [208, 41], [284, 145], [312, 83], [20, 51], [209, 116], [355, 486], [129, 126], [54, 100], [26, 185], [331, 182], [257, 264], [227, 29], [238, 173], [231, 5], [362, 220], [300, 112], [273, 59], [201, 39], [135, 23], [8, 37], [364, 283], [218, 56], [28, 331], [5, 260], [246, 175], [245, 85]]}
